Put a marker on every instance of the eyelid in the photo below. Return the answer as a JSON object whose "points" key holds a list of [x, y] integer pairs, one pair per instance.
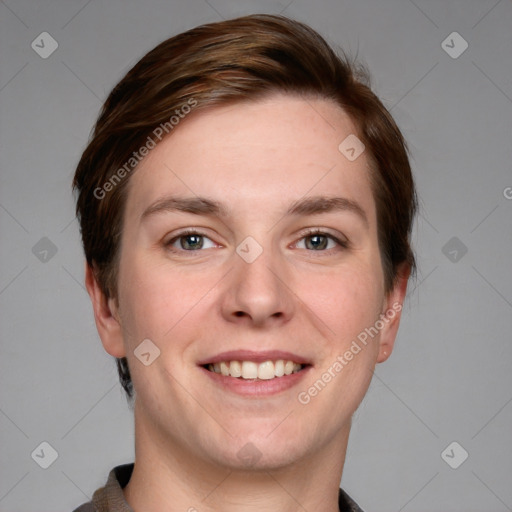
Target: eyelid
{"points": [[323, 231], [341, 241], [187, 231]]}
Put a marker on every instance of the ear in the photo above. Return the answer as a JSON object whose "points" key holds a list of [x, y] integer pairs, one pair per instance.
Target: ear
{"points": [[391, 313], [106, 315]]}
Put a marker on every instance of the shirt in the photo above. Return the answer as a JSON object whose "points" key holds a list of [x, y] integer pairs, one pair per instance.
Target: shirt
{"points": [[110, 498]]}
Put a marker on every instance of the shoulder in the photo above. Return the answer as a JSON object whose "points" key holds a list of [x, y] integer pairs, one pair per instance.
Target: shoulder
{"points": [[86, 507], [346, 503], [110, 498]]}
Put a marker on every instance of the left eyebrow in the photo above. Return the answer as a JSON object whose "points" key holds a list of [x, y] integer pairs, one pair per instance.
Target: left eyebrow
{"points": [[322, 204], [307, 206]]}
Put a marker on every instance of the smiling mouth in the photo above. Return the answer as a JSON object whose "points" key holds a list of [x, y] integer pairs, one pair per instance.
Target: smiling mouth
{"points": [[249, 370]]}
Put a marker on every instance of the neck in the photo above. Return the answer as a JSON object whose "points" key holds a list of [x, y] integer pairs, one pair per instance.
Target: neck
{"points": [[169, 476]]}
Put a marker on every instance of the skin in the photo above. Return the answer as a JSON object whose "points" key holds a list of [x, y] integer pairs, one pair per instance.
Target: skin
{"points": [[256, 158]]}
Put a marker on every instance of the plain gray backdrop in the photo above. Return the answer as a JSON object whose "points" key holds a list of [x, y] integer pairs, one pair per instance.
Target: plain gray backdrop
{"points": [[449, 378]]}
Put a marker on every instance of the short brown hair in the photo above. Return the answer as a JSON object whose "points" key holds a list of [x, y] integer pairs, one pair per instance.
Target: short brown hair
{"points": [[232, 61]]}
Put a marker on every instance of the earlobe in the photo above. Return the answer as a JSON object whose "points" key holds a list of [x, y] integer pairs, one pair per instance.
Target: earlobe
{"points": [[391, 315], [106, 315]]}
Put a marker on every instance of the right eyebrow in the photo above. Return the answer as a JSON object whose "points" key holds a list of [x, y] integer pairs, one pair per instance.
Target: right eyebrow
{"points": [[195, 205]]}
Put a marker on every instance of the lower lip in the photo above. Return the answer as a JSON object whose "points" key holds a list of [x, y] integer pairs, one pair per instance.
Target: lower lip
{"points": [[257, 388]]}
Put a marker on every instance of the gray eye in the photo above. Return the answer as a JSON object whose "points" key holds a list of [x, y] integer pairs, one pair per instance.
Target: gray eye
{"points": [[190, 242]]}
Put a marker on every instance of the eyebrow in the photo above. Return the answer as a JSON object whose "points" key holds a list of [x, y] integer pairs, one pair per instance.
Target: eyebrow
{"points": [[204, 206]]}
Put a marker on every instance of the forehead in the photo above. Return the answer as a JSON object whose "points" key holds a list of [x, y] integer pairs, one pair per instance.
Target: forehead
{"points": [[260, 154]]}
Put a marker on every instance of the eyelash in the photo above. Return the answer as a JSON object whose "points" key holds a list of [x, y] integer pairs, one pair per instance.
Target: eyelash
{"points": [[310, 232]]}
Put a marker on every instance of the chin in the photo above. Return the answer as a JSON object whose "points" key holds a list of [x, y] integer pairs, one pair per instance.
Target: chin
{"points": [[253, 459], [261, 450]]}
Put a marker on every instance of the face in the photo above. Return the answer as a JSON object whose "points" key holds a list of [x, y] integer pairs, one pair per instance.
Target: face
{"points": [[250, 248]]}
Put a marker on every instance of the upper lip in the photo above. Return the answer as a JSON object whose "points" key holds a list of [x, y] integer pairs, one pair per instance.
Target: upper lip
{"points": [[257, 357]]}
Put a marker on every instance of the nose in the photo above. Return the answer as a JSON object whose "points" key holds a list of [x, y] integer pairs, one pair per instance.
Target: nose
{"points": [[257, 293]]}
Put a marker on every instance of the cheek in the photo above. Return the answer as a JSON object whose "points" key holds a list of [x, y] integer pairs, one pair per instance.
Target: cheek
{"points": [[155, 304], [158, 301], [345, 302]]}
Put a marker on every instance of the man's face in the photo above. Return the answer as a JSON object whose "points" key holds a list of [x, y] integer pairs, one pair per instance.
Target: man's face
{"points": [[251, 284]]}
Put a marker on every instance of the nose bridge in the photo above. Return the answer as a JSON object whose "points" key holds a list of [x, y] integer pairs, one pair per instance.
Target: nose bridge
{"points": [[257, 289]]}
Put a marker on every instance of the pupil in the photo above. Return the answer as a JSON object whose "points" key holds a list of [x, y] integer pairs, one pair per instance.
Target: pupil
{"points": [[195, 244], [317, 245]]}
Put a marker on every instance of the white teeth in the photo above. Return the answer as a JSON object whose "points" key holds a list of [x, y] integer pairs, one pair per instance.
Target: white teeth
{"points": [[266, 370], [288, 367], [235, 369], [224, 368], [251, 370]]}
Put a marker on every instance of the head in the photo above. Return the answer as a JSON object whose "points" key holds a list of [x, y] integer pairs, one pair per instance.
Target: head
{"points": [[250, 113]]}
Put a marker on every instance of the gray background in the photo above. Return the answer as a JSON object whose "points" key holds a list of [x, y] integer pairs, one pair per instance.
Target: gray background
{"points": [[449, 378]]}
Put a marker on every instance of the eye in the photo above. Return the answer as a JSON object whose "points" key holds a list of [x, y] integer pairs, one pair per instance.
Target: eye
{"points": [[193, 241], [318, 240], [189, 241]]}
